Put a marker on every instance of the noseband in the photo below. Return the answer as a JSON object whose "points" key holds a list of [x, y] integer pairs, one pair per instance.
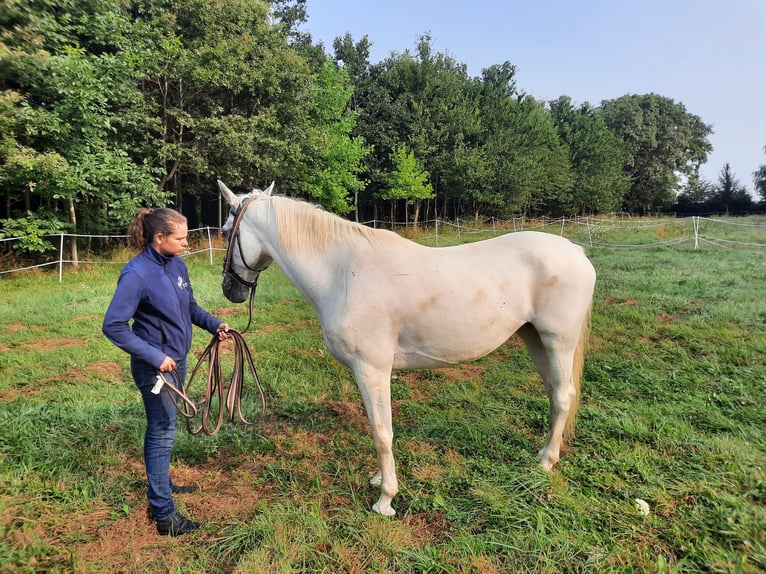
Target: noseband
{"points": [[228, 270]]}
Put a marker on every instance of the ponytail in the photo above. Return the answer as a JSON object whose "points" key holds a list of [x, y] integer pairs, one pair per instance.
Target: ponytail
{"points": [[151, 221]]}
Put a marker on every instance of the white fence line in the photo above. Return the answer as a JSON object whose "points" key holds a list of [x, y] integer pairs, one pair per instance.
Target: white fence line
{"points": [[594, 227]]}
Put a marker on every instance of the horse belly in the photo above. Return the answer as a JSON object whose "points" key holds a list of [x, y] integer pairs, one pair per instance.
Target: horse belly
{"points": [[457, 336]]}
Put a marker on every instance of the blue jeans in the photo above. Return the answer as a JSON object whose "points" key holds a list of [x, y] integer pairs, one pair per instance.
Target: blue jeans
{"points": [[160, 433]]}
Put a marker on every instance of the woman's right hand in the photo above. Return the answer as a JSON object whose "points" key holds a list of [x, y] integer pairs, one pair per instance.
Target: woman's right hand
{"points": [[167, 365]]}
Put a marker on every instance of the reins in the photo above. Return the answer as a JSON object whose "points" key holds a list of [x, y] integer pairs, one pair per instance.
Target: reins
{"points": [[215, 387]]}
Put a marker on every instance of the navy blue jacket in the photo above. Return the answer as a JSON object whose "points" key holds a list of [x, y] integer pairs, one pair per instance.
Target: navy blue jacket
{"points": [[155, 292]]}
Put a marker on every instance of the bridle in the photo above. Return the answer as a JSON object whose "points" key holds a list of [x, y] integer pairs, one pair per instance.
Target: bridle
{"points": [[228, 269]]}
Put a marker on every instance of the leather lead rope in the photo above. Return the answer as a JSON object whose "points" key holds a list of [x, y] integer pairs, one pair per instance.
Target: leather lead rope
{"points": [[229, 399]]}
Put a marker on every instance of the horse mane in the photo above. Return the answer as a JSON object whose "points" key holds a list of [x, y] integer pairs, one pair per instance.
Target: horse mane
{"points": [[306, 228]]}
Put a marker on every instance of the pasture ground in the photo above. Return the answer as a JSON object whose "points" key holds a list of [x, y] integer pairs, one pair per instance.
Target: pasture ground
{"points": [[673, 412]]}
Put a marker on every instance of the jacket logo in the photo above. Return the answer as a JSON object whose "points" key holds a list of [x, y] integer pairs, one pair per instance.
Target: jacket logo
{"points": [[181, 283]]}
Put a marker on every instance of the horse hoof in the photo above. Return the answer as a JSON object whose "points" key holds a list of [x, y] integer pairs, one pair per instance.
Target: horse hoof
{"points": [[545, 461], [385, 511]]}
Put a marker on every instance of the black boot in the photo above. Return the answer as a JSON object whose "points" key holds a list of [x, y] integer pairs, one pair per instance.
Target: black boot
{"points": [[176, 524], [175, 489]]}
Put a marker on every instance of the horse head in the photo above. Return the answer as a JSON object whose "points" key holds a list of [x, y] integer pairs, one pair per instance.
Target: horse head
{"points": [[245, 255]]}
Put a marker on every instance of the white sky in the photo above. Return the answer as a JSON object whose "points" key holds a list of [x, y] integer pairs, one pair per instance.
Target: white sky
{"points": [[709, 55]]}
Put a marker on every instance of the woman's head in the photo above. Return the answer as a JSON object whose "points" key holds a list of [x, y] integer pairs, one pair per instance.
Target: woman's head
{"points": [[164, 228]]}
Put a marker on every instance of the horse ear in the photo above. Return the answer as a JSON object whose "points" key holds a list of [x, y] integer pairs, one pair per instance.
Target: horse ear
{"points": [[230, 197], [269, 189]]}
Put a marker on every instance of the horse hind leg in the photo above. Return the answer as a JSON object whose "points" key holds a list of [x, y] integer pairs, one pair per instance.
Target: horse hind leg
{"points": [[555, 361]]}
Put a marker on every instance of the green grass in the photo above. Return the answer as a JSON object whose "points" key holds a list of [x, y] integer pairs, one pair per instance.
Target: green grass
{"points": [[673, 412]]}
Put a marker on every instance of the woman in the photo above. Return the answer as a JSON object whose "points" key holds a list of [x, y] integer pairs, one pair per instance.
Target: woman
{"points": [[154, 292]]}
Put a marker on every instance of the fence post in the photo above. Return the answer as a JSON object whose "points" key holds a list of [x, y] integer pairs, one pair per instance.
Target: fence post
{"points": [[437, 232], [61, 258], [696, 225], [209, 244], [587, 225]]}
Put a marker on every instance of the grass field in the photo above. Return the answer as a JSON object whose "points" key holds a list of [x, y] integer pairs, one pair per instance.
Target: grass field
{"points": [[673, 413]]}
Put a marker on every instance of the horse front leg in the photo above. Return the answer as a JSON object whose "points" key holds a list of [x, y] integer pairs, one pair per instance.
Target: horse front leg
{"points": [[375, 387]]}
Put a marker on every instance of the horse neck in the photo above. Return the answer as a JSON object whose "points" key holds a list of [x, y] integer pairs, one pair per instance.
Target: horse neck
{"points": [[310, 271]]}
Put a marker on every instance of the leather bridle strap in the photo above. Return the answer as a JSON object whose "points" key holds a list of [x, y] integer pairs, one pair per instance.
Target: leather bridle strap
{"points": [[234, 238], [214, 388], [229, 270]]}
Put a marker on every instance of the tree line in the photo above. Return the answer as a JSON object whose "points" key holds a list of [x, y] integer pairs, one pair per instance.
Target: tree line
{"points": [[108, 105]]}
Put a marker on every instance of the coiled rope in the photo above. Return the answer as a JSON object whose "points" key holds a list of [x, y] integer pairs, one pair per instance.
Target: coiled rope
{"points": [[215, 387]]}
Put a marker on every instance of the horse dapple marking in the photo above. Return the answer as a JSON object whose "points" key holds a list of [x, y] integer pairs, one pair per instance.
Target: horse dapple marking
{"points": [[387, 303]]}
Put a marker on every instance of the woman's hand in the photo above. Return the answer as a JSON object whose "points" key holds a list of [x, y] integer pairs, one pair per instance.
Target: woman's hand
{"points": [[167, 365], [223, 333]]}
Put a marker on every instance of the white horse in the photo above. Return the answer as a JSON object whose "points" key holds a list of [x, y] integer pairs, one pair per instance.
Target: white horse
{"points": [[387, 303]]}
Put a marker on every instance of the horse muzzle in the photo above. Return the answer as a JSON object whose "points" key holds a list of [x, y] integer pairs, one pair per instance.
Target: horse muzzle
{"points": [[234, 289]]}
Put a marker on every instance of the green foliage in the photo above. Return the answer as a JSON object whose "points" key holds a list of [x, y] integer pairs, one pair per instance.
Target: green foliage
{"points": [[596, 156], [661, 140], [71, 115], [724, 197], [529, 167], [31, 230], [408, 181], [339, 157], [728, 194], [233, 98]]}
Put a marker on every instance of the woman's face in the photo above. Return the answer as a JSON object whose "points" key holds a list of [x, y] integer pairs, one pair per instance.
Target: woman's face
{"points": [[173, 243]]}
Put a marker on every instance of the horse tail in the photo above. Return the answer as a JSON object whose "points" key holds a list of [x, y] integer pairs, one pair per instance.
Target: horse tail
{"points": [[577, 368]]}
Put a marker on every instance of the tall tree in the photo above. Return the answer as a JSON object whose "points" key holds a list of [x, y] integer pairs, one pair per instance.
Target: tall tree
{"points": [[422, 100], [528, 167], [338, 157], [729, 195], [662, 141], [599, 184], [696, 196], [231, 94], [408, 181]]}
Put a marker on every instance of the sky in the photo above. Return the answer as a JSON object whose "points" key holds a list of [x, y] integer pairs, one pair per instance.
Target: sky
{"points": [[709, 55]]}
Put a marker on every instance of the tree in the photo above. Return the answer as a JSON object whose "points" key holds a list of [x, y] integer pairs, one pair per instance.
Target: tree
{"points": [[695, 197], [729, 195], [759, 178], [71, 113], [600, 184], [338, 156], [231, 94], [408, 181], [662, 141], [528, 167], [422, 100]]}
